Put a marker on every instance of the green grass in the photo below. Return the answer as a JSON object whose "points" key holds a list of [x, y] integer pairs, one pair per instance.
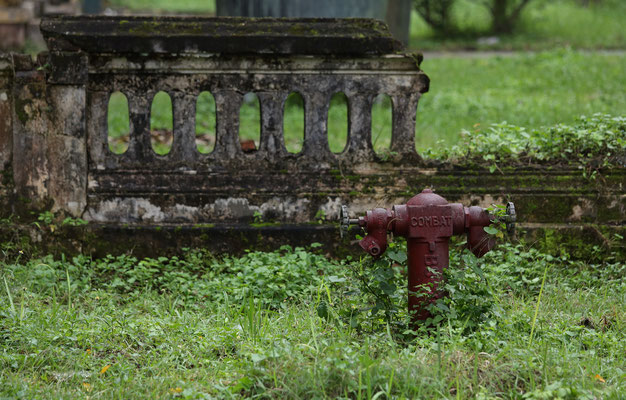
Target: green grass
{"points": [[178, 6], [205, 124], [337, 123], [292, 324], [294, 123], [544, 25], [530, 90]]}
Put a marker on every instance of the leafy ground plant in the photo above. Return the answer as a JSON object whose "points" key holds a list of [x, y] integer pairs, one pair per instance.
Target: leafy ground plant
{"points": [[598, 141], [201, 327]]}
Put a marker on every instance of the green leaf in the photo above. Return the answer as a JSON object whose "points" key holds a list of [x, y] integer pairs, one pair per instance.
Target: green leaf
{"points": [[322, 310], [398, 256], [257, 358], [478, 271], [490, 230], [336, 279]]}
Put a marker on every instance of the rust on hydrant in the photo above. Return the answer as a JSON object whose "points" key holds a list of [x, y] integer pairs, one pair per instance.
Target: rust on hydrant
{"points": [[427, 221]]}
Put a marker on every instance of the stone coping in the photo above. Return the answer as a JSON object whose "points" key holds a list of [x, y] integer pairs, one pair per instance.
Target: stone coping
{"points": [[224, 35]]}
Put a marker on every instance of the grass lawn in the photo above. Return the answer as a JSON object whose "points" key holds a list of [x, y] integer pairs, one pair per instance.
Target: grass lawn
{"points": [[531, 90], [165, 6], [293, 324], [544, 25]]}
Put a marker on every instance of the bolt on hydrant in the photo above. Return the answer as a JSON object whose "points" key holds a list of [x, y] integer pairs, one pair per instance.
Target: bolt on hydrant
{"points": [[427, 221]]}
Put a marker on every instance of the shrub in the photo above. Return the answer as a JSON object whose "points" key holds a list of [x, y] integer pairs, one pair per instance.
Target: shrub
{"points": [[594, 142]]}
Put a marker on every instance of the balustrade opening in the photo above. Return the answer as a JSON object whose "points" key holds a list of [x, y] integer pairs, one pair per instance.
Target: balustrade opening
{"points": [[118, 123], [382, 119], [161, 123], [293, 122], [338, 122], [250, 123], [205, 122]]}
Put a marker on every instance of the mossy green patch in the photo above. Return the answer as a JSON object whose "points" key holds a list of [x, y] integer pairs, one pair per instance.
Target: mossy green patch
{"points": [[264, 224], [204, 225]]}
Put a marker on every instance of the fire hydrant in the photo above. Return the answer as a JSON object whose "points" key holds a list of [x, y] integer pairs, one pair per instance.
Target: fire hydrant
{"points": [[427, 221]]}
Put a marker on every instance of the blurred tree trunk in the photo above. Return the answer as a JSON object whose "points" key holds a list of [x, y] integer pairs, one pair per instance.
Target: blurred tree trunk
{"points": [[436, 13], [505, 14], [399, 19]]}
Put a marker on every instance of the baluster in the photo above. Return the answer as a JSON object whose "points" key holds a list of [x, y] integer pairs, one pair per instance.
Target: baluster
{"points": [[360, 136], [227, 105], [315, 125], [139, 147], [184, 145], [97, 129], [403, 129], [272, 135]]}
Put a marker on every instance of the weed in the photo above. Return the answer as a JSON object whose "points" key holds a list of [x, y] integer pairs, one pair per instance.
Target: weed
{"points": [[69, 221], [320, 216], [257, 217], [45, 218]]}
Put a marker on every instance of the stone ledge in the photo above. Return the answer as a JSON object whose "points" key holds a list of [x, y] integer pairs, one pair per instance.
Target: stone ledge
{"points": [[225, 35], [99, 240], [292, 196]]}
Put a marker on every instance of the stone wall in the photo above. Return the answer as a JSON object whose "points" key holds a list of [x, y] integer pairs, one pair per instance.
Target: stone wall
{"points": [[6, 135], [55, 156]]}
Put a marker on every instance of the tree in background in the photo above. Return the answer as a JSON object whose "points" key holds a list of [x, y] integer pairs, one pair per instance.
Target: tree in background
{"points": [[505, 14], [436, 13]]}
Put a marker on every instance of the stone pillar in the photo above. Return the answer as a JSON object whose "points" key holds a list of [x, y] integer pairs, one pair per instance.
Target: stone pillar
{"points": [[184, 150], [49, 140], [403, 126], [315, 144], [30, 129], [272, 135], [227, 103], [360, 139]]}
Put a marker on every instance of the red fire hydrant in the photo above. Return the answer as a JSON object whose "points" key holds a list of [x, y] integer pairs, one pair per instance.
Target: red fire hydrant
{"points": [[427, 221]]}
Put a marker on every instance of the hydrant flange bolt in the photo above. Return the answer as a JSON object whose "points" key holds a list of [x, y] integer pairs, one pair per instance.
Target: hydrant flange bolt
{"points": [[346, 221], [511, 218]]}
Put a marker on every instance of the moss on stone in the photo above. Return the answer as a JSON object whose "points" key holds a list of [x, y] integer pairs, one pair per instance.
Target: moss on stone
{"points": [[20, 109], [204, 225]]}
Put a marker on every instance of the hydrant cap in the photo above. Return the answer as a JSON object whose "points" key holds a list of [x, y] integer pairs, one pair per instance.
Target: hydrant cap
{"points": [[427, 198]]}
